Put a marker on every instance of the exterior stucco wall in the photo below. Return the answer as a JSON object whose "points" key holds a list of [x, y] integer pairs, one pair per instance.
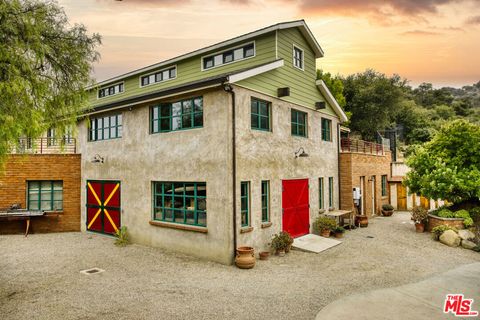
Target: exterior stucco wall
{"points": [[197, 155], [270, 156]]}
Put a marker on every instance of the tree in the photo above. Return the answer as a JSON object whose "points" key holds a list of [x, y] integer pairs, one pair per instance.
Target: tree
{"points": [[45, 66], [334, 84], [374, 100], [448, 166]]}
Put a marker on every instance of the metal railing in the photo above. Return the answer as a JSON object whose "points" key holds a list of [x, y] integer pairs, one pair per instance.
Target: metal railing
{"points": [[45, 146], [361, 146]]}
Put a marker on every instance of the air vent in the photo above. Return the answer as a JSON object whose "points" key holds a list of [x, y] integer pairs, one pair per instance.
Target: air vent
{"points": [[283, 92], [320, 105]]}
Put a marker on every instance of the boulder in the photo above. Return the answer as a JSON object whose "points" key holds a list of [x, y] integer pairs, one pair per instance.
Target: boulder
{"points": [[466, 234], [467, 244], [450, 238]]}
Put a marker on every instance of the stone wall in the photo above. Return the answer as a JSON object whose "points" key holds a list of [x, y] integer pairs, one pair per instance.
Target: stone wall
{"points": [[434, 221]]}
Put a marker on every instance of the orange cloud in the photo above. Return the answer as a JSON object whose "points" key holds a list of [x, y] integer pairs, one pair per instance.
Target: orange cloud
{"points": [[420, 33], [473, 20]]}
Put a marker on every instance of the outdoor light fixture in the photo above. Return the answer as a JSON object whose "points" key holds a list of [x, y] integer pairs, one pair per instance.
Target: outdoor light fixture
{"points": [[98, 159], [300, 153]]}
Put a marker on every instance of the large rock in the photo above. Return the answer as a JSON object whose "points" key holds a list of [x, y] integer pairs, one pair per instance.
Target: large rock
{"points": [[450, 238], [467, 244], [466, 234]]}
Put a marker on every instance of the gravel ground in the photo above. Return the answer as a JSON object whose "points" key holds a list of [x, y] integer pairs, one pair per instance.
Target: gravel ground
{"points": [[40, 278]]}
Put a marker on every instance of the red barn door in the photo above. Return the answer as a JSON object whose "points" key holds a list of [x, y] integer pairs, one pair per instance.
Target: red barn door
{"points": [[296, 212], [103, 206]]}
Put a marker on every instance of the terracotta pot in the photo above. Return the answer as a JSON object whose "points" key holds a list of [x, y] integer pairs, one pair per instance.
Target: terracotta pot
{"points": [[325, 233], [245, 258], [362, 220], [419, 227], [338, 234], [281, 252], [264, 255], [387, 213], [287, 249]]}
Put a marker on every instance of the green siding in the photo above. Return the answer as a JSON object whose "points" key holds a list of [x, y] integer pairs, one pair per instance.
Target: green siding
{"points": [[190, 70], [303, 90]]}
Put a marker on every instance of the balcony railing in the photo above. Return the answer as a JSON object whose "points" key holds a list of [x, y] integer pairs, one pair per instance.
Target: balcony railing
{"points": [[45, 146], [360, 146]]}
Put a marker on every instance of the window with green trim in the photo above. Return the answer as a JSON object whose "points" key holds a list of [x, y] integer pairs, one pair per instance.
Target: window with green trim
{"points": [[320, 193], [330, 192], [326, 129], [45, 195], [265, 201], [260, 114], [104, 128], [180, 202], [245, 203], [299, 123], [384, 186], [179, 115]]}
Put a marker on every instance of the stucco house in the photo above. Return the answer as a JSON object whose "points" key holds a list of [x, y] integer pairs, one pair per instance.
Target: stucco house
{"points": [[220, 147]]}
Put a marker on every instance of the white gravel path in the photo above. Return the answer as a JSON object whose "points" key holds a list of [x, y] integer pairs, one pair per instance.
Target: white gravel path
{"points": [[40, 278]]}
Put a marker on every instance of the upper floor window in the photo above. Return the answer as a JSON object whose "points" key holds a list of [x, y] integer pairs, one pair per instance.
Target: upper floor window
{"points": [[299, 123], [160, 76], [298, 57], [326, 129], [111, 90], [229, 56], [104, 128], [45, 195], [180, 115], [260, 115]]}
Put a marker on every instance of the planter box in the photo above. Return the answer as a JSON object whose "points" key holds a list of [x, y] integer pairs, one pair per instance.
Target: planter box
{"points": [[434, 221]]}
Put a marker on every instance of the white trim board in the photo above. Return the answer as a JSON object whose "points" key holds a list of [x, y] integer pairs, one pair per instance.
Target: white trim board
{"points": [[331, 100]]}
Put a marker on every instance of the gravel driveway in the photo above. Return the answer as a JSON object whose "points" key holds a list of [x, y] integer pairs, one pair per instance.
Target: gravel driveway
{"points": [[40, 278]]}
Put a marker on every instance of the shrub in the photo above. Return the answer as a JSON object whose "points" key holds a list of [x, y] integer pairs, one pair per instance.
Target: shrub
{"points": [[339, 230], [325, 223], [419, 214], [438, 230], [475, 214], [287, 238], [445, 213], [387, 207], [279, 242], [467, 220], [122, 237]]}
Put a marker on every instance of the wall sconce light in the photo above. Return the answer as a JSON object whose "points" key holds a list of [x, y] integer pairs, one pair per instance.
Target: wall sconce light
{"points": [[300, 153], [98, 159]]}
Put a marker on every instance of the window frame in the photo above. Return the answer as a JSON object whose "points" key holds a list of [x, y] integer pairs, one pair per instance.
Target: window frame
{"points": [[296, 124], [184, 196], [170, 116], [94, 129], [246, 211], [224, 52], [52, 201], [321, 193], [160, 71], [302, 58], [330, 192], [384, 185], [259, 116], [108, 87], [324, 131], [265, 195]]}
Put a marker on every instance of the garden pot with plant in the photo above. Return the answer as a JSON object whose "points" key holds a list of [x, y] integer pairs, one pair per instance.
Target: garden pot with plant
{"points": [[338, 232], [264, 255], [325, 226], [287, 238], [419, 217], [279, 244], [387, 210]]}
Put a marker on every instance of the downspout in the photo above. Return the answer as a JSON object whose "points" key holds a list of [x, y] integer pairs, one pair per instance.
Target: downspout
{"points": [[338, 166], [228, 88]]}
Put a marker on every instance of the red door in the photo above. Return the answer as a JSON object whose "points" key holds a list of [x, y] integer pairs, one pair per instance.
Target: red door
{"points": [[103, 206], [296, 212]]}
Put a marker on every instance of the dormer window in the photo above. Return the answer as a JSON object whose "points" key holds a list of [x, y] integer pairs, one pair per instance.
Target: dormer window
{"points": [[159, 76], [298, 57], [111, 90], [229, 56]]}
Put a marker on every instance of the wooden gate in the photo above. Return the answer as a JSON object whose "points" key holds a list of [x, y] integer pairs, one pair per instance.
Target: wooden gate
{"points": [[296, 212], [425, 203], [401, 197], [103, 206]]}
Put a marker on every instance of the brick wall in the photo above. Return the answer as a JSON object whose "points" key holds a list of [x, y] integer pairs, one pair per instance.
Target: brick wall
{"points": [[13, 189], [355, 165]]}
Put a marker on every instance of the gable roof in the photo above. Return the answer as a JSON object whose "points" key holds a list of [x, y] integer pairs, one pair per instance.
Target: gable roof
{"points": [[279, 26], [331, 100]]}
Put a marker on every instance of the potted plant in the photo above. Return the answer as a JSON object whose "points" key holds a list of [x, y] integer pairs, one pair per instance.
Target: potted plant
{"points": [[338, 232], [279, 244], [362, 220], [325, 225], [387, 210], [419, 216], [264, 255], [287, 238]]}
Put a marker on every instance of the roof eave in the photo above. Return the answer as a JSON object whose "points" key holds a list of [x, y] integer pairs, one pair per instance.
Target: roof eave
{"points": [[331, 100]]}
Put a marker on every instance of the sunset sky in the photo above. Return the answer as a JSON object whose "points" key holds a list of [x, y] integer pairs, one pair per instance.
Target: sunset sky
{"points": [[435, 41]]}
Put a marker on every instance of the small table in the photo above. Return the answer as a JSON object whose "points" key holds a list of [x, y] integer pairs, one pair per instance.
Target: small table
{"points": [[21, 214], [340, 213]]}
